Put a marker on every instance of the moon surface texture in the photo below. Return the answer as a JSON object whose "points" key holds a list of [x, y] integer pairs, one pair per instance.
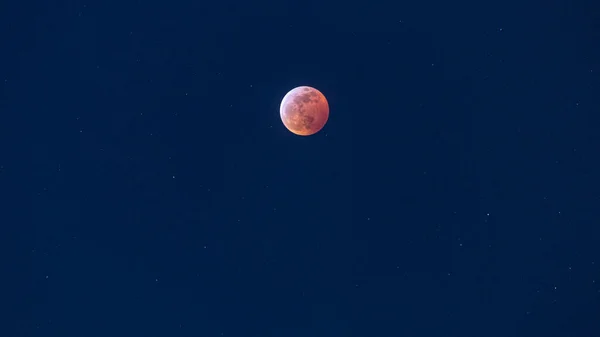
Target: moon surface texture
{"points": [[304, 111]]}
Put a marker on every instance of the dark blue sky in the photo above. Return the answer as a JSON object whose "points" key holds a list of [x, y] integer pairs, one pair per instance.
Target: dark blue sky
{"points": [[152, 190]]}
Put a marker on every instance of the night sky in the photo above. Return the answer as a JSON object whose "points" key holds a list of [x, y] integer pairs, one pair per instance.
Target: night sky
{"points": [[150, 188]]}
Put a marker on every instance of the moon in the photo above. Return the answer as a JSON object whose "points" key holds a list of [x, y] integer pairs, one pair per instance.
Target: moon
{"points": [[304, 111]]}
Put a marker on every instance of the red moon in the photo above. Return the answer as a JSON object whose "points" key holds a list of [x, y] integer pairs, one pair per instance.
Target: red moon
{"points": [[304, 111]]}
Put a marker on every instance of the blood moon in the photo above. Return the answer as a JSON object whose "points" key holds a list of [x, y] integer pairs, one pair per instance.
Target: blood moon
{"points": [[304, 111]]}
